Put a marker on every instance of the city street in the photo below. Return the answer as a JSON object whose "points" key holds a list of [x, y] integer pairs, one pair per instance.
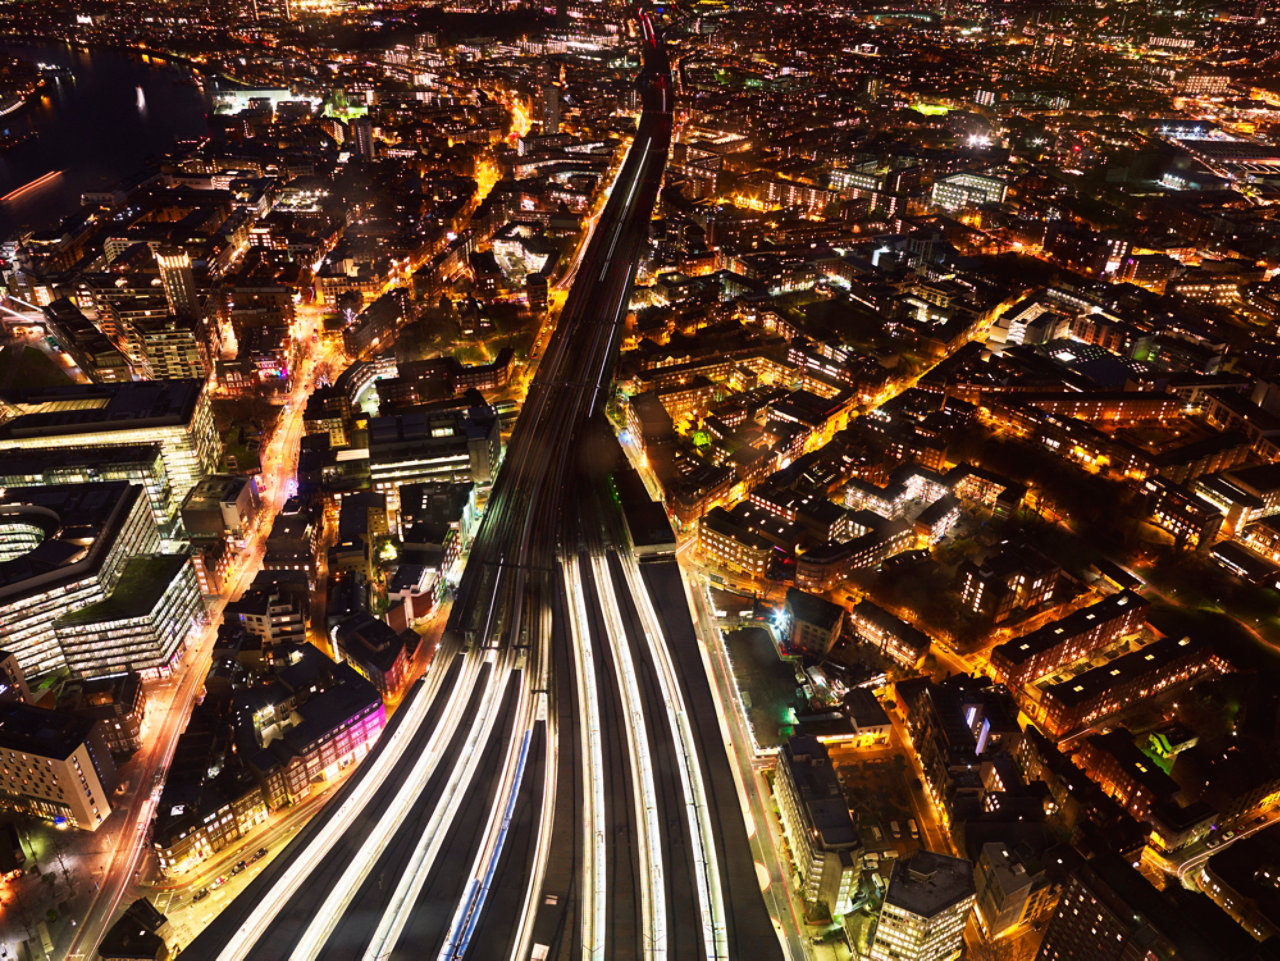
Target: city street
{"points": [[121, 858]]}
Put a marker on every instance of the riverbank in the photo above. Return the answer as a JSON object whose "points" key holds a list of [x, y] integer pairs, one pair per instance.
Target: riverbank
{"points": [[15, 99], [167, 57], [110, 112]]}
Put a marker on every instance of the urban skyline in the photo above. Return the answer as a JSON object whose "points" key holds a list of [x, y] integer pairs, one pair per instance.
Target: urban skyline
{"points": [[758, 481]]}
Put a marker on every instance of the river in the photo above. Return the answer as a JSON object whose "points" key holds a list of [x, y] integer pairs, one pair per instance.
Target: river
{"points": [[97, 127]]}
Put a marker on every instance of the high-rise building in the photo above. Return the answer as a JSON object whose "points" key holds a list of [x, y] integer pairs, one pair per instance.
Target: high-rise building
{"points": [[170, 348], [360, 130], [179, 282], [54, 766], [816, 821], [925, 909], [550, 109]]}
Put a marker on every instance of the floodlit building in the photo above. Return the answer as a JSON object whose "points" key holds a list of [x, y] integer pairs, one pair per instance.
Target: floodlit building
{"points": [[814, 622], [925, 909], [179, 282]]}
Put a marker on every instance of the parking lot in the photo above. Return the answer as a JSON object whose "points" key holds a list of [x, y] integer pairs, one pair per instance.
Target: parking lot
{"points": [[878, 790]]}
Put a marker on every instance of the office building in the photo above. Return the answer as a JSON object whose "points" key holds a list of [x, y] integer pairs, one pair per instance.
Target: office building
{"points": [[815, 819], [140, 464], [434, 443], [142, 625], [176, 414], [925, 909], [62, 549], [54, 766], [968, 190]]}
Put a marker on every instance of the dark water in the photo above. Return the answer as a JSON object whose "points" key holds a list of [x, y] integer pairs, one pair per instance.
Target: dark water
{"points": [[93, 128]]}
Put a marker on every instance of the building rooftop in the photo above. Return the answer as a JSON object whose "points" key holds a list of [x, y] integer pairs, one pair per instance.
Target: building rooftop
{"points": [[810, 770], [864, 709], [1094, 682], [926, 884], [77, 523], [212, 491], [94, 408], [1023, 648], [33, 730], [35, 462], [142, 583], [812, 609]]}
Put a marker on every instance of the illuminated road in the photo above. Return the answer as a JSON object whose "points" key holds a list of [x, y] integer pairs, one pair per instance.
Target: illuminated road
{"points": [[556, 787]]}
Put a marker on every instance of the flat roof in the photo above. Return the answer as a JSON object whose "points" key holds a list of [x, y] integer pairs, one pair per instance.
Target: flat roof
{"points": [[926, 884], [33, 730], [100, 408], [812, 609], [80, 522], [809, 767], [142, 584]]}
